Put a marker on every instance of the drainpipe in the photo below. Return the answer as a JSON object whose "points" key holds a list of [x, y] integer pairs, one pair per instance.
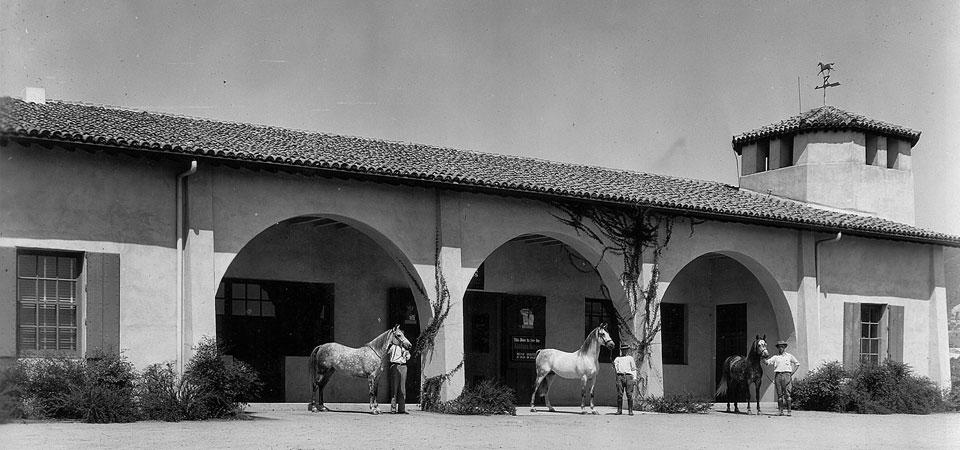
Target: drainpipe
{"points": [[180, 185], [816, 256]]}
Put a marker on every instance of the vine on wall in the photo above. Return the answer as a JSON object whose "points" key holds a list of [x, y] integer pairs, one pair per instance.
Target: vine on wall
{"points": [[627, 232]]}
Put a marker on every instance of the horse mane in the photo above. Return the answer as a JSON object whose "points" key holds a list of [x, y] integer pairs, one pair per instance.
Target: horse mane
{"points": [[378, 343], [590, 338]]}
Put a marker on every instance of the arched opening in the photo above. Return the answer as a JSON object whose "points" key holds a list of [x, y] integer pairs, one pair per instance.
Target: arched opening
{"points": [[532, 292], [713, 309], [307, 281]]}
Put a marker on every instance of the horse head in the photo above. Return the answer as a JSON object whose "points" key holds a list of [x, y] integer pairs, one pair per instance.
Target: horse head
{"points": [[604, 337], [760, 346], [398, 338]]}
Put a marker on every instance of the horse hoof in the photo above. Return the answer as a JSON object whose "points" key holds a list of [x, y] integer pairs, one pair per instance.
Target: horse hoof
{"points": [[594, 413], [551, 409], [533, 409]]}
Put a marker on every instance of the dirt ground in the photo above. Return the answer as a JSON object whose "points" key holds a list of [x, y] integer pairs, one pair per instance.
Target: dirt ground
{"points": [[350, 426]]}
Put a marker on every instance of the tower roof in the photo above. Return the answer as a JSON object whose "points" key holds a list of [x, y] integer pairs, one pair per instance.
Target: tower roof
{"points": [[825, 118]]}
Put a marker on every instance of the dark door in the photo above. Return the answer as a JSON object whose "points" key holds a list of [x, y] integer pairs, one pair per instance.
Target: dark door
{"points": [[481, 344], [261, 322], [731, 333], [403, 311], [523, 334]]}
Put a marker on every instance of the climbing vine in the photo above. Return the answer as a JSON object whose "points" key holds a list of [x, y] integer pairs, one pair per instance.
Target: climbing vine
{"points": [[627, 232]]}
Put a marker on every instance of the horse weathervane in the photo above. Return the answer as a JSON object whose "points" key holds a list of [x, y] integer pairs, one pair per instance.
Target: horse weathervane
{"points": [[825, 70]]}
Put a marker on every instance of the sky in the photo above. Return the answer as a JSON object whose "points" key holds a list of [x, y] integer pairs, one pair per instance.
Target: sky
{"points": [[656, 86]]}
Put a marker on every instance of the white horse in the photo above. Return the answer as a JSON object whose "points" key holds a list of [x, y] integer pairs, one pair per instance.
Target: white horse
{"points": [[581, 364], [365, 362]]}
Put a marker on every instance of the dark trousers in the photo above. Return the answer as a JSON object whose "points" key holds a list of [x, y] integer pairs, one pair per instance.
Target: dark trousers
{"points": [[782, 382], [625, 385], [398, 386]]}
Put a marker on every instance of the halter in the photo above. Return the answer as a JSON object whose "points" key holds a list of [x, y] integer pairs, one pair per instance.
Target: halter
{"points": [[393, 340], [600, 337]]}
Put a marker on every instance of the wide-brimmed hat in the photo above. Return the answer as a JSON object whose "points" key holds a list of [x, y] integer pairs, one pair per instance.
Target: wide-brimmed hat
{"points": [[783, 343]]}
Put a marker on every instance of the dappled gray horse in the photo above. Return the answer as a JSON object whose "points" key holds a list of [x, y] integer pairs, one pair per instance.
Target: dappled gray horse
{"points": [[582, 364], [366, 362]]}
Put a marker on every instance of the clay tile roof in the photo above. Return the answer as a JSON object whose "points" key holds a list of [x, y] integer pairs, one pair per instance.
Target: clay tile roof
{"points": [[825, 118], [257, 144]]}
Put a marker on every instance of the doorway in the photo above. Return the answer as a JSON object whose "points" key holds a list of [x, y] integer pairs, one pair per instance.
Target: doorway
{"points": [[503, 334], [262, 322], [731, 333]]}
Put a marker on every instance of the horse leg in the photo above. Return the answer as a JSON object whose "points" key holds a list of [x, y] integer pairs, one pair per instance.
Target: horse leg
{"points": [[536, 387], [373, 381], [757, 384], [593, 383], [549, 382], [747, 388], [583, 393], [321, 382]]}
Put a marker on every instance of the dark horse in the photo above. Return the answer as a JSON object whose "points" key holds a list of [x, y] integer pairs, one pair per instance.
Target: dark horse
{"points": [[740, 372], [366, 362]]}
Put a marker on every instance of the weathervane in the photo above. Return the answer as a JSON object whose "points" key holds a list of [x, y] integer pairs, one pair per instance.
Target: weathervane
{"points": [[825, 70]]}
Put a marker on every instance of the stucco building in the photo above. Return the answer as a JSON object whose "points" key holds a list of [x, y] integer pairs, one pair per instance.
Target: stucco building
{"points": [[144, 232]]}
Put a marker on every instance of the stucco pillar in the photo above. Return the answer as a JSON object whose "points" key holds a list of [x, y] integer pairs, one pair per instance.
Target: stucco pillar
{"points": [[200, 280], [448, 351], [807, 313], [652, 368], [939, 369]]}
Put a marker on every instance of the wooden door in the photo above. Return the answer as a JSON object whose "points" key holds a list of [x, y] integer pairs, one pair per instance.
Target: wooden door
{"points": [[524, 332], [731, 333], [481, 345]]}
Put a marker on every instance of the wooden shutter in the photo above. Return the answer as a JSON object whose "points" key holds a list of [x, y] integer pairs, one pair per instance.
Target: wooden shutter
{"points": [[851, 335], [8, 302], [103, 303], [895, 333]]}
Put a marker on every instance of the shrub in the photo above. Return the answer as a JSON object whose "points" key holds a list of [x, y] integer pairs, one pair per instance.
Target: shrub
{"points": [[886, 388], [215, 388], [484, 398], [99, 390], [822, 389], [890, 388], [682, 403], [10, 405], [163, 395]]}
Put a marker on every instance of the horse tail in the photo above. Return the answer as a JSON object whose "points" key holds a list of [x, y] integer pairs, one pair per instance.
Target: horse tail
{"points": [[724, 378]]}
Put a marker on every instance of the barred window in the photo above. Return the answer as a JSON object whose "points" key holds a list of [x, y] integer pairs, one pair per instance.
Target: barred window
{"points": [[46, 301]]}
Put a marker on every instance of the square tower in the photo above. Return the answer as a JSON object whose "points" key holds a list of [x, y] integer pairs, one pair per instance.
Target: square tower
{"points": [[833, 158]]}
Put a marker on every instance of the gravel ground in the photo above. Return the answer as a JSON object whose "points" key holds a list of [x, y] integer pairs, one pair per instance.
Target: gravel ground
{"points": [[349, 426]]}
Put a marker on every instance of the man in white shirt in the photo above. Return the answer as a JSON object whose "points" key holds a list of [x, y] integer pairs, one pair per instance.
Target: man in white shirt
{"points": [[398, 378], [626, 378], [784, 366]]}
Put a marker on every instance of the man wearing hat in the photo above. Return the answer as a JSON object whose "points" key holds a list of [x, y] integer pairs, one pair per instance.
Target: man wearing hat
{"points": [[784, 366], [626, 378]]}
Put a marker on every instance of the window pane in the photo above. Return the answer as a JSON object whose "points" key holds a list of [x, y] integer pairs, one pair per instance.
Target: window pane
{"points": [[864, 330], [48, 292], [48, 266], [28, 290], [253, 307], [263, 294], [28, 338], [48, 338], [68, 339], [65, 291], [268, 309], [27, 265], [874, 330], [874, 346], [864, 346], [239, 290], [48, 315], [237, 308], [253, 291], [220, 305], [28, 314], [68, 316], [66, 268]]}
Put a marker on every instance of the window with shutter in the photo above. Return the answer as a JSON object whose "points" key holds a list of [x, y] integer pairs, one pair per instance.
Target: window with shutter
{"points": [[47, 302]]}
